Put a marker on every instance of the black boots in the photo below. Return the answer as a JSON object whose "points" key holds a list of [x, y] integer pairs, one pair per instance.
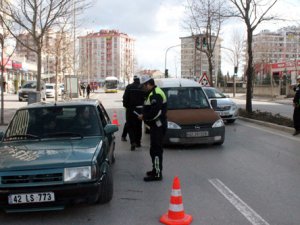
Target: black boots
{"points": [[153, 176], [296, 132]]}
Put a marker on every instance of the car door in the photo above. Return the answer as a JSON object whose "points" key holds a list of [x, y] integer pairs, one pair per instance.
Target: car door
{"points": [[109, 137]]}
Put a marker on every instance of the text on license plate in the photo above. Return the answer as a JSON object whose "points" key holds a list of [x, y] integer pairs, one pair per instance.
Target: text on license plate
{"points": [[31, 198], [223, 113], [197, 134]]}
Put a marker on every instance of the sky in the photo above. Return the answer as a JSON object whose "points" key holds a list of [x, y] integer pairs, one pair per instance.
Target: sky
{"points": [[157, 25]]}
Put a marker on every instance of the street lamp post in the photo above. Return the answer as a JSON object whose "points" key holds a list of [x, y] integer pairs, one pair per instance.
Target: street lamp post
{"points": [[1, 79], [235, 62], [166, 70]]}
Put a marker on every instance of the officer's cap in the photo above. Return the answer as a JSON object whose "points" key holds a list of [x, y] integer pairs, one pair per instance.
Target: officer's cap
{"points": [[135, 77], [145, 78]]}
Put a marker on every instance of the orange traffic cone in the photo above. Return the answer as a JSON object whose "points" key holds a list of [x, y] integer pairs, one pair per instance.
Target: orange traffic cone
{"points": [[115, 119], [176, 215]]}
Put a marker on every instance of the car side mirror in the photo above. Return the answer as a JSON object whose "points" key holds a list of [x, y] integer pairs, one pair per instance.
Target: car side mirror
{"points": [[214, 103], [111, 128]]}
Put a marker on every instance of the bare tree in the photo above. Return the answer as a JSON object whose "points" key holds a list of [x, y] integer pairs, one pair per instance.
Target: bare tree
{"points": [[253, 13], [4, 41], [205, 18], [236, 47], [36, 18], [60, 49]]}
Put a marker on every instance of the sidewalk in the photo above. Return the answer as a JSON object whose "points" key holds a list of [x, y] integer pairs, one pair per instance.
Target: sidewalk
{"points": [[279, 99]]}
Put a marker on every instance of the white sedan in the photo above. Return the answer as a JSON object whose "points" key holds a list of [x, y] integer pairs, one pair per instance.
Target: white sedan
{"points": [[226, 108]]}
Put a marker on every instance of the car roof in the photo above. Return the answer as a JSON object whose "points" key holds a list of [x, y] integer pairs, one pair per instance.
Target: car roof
{"points": [[75, 102], [176, 82], [208, 87]]}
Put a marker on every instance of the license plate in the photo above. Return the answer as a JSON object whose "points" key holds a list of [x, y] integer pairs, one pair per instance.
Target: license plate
{"points": [[197, 134], [223, 113], [31, 198]]}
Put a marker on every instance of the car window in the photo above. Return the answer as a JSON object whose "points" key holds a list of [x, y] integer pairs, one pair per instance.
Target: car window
{"points": [[103, 115], [29, 85], [186, 98], [54, 122], [214, 93]]}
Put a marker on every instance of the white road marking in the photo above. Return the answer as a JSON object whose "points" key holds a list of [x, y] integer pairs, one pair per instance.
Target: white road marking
{"points": [[238, 203]]}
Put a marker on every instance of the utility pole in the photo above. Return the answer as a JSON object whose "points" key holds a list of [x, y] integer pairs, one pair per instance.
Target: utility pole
{"points": [[2, 80], [166, 70]]}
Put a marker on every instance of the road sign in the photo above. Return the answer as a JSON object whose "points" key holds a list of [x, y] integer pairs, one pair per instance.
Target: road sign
{"points": [[204, 81]]}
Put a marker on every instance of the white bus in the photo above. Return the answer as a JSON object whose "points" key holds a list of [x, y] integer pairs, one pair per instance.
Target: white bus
{"points": [[111, 84]]}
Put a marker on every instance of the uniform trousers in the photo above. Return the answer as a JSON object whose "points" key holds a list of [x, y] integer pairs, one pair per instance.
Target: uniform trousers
{"points": [[134, 127], [296, 118], [156, 144]]}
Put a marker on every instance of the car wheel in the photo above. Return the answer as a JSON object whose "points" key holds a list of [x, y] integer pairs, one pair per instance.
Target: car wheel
{"points": [[230, 121], [20, 100], [113, 157], [106, 188], [219, 143]]}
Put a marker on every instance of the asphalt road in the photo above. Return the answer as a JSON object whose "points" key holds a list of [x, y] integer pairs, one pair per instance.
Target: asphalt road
{"points": [[252, 179]]}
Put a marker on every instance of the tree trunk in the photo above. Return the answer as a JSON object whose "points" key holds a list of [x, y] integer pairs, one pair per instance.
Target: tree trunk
{"points": [[39, 69], [249, 72], [210, 68]]}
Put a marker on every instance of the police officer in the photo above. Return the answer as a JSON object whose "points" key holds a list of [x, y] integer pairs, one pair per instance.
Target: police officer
{"points": [[296, 101], [133, 100], [154, 115]]}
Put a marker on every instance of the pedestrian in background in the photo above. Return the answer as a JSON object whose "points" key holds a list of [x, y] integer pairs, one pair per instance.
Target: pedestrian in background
{"points": [[133, 100], [88, 91], [154, 115], [82, 86], [296, 101]]}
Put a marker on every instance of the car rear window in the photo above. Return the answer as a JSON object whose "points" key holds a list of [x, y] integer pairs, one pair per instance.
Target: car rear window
{"points": [[54, 122]]}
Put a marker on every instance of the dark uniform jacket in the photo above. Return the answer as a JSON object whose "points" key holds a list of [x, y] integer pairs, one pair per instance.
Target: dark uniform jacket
{"points": [[155, 107], [296, 99], [133, 96]]}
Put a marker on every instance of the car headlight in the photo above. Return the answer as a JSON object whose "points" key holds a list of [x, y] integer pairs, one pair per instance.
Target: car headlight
{"points": [[77, 174], [234, 107], [172, 125], [218, 123]]}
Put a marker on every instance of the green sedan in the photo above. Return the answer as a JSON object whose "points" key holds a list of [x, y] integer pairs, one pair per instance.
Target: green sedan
{"points": [[56, 154]]}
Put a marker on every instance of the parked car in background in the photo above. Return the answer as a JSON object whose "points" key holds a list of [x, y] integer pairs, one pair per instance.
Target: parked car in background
{"points": [[226, 108], [191, 117], [30, 87], [51, 88], [57, 153]]}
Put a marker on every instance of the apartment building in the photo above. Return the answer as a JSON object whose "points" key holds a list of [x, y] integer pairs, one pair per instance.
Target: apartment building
{"points": [[278, 46], [195, 63], [106, 53], [277, 52]]}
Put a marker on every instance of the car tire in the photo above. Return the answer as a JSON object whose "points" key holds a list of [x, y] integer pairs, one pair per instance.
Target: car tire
{"points": [[106, 188], [20, 100], [113, 157], [230, 121], [219, 143]]}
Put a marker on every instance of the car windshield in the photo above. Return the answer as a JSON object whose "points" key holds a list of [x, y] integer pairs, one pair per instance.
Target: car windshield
{"points": [[214, 93], [186, 98], [49, 87], [54, 122], [29, 85]]}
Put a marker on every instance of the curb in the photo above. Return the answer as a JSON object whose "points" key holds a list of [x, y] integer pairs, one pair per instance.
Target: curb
{"points": [[267, 124]]}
